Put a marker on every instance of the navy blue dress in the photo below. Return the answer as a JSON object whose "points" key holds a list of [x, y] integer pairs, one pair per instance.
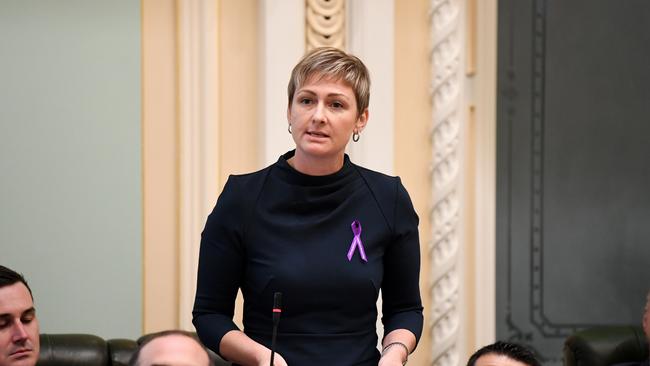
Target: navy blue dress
{"points": [[278, 230]]}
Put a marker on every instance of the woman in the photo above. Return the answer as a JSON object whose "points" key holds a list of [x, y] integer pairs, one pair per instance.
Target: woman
{"points": [[324, 232]]}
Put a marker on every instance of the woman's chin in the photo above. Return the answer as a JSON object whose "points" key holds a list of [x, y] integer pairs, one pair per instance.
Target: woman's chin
{"points": [[319, 151]]}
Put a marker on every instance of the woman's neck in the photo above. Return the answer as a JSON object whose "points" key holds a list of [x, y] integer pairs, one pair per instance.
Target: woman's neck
{"points": [[316, 166]]}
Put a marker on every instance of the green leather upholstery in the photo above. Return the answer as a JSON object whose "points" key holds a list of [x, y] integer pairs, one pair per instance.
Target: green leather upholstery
{"points": [[605, 346], [91, 350], [73, 350]]}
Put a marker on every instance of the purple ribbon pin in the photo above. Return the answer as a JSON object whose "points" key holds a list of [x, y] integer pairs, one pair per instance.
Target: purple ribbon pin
{"points": [[356, 242]]}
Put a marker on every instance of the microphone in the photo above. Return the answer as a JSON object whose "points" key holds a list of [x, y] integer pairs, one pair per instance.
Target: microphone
{"points": [[277, 311]]}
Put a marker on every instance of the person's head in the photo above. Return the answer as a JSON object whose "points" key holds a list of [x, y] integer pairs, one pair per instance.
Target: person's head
{"points": [[19, 342], [328, 93], [646, 317], [333, 64], [171, 348], [503, 354]]}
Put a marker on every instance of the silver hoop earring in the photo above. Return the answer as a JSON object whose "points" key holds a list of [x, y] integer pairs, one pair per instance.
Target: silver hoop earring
{"points": [[355, 136], [289, 129]]}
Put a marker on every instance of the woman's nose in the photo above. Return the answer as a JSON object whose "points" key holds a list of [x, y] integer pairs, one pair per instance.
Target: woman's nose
{"points": [[319, 113]]}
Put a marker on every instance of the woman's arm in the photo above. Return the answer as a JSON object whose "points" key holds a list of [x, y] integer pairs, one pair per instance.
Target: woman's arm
{"points": [[236, 346], [221, 269], [397, 345], [402, 306]]}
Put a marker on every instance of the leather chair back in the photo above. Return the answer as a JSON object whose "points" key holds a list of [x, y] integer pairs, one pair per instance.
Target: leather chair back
{"points": [[605, 346], [91, 350], [84, 350]]}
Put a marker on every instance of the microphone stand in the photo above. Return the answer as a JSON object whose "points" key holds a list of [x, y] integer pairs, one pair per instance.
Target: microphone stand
{"points": [[277, 311]]}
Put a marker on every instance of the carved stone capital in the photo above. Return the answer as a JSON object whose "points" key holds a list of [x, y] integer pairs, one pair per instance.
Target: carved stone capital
{"points": [[325, 23]]}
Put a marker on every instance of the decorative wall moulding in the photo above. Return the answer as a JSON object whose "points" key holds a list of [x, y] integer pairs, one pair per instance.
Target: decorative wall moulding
{"points": [[444, 249], [198, 142], [325, 23]]}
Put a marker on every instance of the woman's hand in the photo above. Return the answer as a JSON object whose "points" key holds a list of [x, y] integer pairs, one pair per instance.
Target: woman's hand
{"points": [[394, 356], [277, 360], [397, 346], [238, 348]]}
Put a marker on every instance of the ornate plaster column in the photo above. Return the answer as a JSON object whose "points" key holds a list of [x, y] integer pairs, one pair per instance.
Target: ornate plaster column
{"points": [[448, 141]]}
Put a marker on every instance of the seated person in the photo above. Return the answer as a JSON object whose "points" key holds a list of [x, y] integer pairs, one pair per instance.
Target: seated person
{"points": [[646, 329], [171, 348], [503, 354], [19, 342]]}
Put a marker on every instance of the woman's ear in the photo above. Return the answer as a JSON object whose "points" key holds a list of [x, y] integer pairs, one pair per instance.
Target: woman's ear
{"points": [[362, 121]]}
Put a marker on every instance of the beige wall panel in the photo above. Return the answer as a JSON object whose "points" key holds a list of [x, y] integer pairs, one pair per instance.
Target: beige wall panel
{"points": [[160, 167], [239, 151], [281, 45], [412, 130], [484, 187], [371, 38], [198, 89], [239, 91], [237, 124]]}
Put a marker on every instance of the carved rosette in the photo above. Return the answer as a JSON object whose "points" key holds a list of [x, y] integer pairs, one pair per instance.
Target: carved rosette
{"points": [[444, 248], [325, 23]]}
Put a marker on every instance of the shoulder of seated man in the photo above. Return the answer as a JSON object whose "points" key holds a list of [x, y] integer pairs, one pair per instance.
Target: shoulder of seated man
{"points": [[644, 363]]}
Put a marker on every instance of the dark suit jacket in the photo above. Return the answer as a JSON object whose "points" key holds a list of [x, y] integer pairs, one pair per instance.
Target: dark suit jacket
{"points": [[644, 363]]}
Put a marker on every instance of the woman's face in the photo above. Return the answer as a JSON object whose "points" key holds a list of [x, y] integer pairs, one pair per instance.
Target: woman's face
{"points": [[323, 115]]}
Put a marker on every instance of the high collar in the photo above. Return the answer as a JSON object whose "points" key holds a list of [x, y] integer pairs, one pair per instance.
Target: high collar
{"points": [[295, 177]]}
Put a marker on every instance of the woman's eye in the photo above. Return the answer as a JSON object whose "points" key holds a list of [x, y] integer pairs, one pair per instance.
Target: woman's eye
{"points": [[337, 105], [305, 101]]}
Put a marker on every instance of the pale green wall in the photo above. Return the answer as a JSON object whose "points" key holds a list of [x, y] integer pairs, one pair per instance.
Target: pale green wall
{"points": [[70, 159]]}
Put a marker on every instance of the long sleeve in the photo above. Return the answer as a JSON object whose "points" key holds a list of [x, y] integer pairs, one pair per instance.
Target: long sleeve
{"points": [[278, 230], [402, 305], [221, 266]]}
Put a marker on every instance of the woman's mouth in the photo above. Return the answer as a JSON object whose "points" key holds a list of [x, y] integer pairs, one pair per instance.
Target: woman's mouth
{"points": [[317, 134]]}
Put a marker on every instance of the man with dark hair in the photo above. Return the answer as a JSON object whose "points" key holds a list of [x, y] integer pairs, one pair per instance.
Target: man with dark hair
{"points": [[171, 348], [19, 342], [503, 354]]}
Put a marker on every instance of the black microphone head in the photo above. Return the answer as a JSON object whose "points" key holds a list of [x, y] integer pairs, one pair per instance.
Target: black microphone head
{"points": [[277, 300]]}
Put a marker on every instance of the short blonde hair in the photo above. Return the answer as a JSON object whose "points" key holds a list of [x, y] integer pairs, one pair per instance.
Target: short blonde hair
{"points": [[332, 63]]}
